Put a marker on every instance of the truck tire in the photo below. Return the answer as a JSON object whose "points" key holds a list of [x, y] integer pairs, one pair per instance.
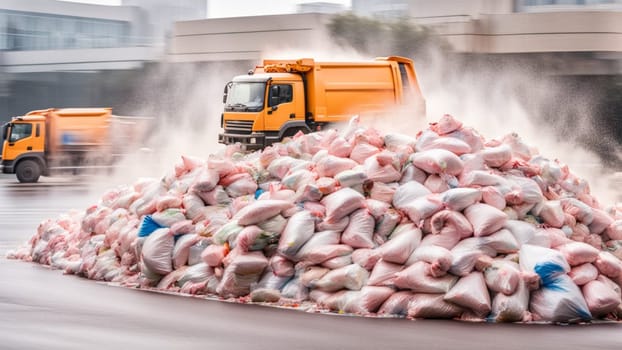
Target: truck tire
{"points": [[28, 171]]}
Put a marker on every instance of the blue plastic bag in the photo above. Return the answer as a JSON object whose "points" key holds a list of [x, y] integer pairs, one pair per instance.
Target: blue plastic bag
{"points": [[147, 226]]}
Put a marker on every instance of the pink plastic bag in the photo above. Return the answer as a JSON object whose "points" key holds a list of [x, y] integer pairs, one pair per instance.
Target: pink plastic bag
{"points": [[383, 273], [497, 156], [330, 165], [578, 253], [436, 184], [432, 306], [502, 276], [511, 308], [608, 264], [416, 278], [451, 222], [470, 292], [493, 197], [437, 161], [340, 147], [403, 241], [551, 213], [601, 298], [382, 192], [360, 230], [485, 219], [321, 253], [181, 250], [377, 170], [408, 192], [447, 124], [206, 180], [601, 221], [582, 274], [352, 277], [422, 208], [439, 258], [363, 151], [342, 203], [396, 304], [412, 173], [261, 210], [614, 231], [214, 254], [366, 258], [366, 301], [244, 270]]}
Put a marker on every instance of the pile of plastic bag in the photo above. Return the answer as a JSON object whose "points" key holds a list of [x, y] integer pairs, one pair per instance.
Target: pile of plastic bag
{"points": [[441, 225]]}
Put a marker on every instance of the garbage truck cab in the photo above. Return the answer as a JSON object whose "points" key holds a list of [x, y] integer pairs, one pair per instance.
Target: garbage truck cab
{"points": [[282, 97], [49, 141]]}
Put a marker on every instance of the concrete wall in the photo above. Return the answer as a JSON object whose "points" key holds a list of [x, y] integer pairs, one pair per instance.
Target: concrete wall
{"points": [[537, 32], [244, 38]]}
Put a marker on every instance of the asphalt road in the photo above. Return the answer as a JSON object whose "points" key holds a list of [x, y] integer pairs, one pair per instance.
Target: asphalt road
{"points": [[44, 309]]}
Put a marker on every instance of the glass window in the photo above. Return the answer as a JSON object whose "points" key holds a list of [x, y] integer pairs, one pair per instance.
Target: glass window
{"points": [[20, 131], [246, 96], [284, 92]]}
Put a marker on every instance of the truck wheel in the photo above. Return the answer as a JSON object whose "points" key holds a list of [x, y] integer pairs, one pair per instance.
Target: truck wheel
{"points": [[28, 171]]}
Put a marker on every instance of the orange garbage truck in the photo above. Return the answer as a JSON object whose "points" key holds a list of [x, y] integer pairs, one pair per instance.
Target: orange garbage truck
{"points": [[282, 97], [67, 140]]}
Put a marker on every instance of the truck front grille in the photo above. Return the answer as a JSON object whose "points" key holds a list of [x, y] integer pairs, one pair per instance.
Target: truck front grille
{"points": [[243, 127]]}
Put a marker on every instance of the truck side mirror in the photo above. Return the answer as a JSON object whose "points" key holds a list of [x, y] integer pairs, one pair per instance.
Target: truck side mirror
{"points": [[226, 92], [5, 131], [275, 93]]}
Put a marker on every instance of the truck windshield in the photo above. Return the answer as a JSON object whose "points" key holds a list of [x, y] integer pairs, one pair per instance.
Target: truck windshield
{"points": [[246, 97], [20, 131]]}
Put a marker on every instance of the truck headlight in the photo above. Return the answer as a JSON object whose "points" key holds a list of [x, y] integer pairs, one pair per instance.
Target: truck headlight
{"points": [[253, 140]]}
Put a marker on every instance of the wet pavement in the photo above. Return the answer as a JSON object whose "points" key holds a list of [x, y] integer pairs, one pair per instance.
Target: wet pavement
{"points": [[41, 308]]}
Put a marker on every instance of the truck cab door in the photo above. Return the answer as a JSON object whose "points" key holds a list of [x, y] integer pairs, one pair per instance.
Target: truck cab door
{"points": [[283, 106], [20, 140]]}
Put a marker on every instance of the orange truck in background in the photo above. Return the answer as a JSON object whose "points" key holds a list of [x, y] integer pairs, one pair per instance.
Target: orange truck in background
{"points": [[282, 97], [50, 141]]}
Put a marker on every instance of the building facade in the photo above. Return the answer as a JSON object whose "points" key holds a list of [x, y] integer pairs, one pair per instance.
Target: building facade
{"points": [[67, 54]]}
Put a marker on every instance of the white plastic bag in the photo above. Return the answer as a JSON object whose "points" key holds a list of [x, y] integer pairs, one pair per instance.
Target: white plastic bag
{"points": [[299, 229], [157, 251], [547, 263], [559, 300]]}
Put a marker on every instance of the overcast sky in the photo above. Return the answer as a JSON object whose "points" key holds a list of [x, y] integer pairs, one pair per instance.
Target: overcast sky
{"points": [[232, 8]]}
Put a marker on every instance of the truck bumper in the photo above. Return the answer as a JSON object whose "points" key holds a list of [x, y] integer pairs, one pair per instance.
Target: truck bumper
{"points": [[250, 142], [6, 167]]}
